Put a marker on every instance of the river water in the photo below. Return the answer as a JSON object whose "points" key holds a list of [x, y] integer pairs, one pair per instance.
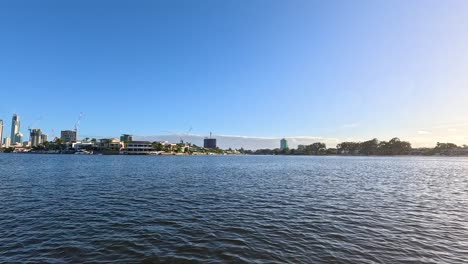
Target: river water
{"points": [[232, 209]]}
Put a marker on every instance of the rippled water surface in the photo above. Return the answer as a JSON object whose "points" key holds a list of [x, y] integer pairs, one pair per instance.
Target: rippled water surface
{"points": [[245, 209]]}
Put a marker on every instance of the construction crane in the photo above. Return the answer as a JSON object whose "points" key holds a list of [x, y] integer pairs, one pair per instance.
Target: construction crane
{"points": [[187, 145], [34, 125], [186, 134], [52, 132], [77, 124]]}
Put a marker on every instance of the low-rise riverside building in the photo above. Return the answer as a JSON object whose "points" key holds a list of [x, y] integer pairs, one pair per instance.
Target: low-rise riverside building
{"points": [[20, 148], [460, 151], [112, 144], [82, 145], [420, 151], [138, 148]]}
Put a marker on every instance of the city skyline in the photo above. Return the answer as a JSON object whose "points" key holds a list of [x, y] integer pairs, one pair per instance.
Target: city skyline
{"points": [[335, 71], [226, 141]]}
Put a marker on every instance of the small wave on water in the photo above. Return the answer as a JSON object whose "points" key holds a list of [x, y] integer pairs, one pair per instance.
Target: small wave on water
{"points": [[246, 209]]}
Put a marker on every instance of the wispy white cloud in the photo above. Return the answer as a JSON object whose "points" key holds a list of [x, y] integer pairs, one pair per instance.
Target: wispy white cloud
{"points": [[276, 138], [352, 125], [249, 137], [424, 132], [453, 125]]}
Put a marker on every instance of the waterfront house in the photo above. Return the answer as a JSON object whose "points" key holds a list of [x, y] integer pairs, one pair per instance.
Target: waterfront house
{"points": [[111, 144], [138, 148]]}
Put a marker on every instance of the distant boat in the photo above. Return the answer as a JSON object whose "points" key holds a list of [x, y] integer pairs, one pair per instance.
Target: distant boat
{"points": [[83, 152]]}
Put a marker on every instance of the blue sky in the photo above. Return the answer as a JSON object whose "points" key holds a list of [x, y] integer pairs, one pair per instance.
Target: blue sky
{"points": [[331, 69]]}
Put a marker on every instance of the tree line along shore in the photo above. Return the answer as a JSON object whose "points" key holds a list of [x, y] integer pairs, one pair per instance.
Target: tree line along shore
{"points": [[374, 147]]}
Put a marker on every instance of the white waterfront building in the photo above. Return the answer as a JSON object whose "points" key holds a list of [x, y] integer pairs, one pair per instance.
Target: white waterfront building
{"points": [[138, 147], [7, 142]]}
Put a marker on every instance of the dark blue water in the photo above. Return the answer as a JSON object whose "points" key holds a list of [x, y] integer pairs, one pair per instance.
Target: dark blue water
{"points": [[226, 209]]}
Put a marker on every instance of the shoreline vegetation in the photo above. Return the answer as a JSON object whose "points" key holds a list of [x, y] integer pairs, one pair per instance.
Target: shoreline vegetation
{"points": [[374, 147]]}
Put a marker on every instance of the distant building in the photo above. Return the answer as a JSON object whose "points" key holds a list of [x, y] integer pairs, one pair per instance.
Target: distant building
{"points": [[1, 132], [138, 148], [43, 138], [111, 144], [15, 126], [7, 142], [209, 143], [301, 147], [283, 144], [16, 136], [82, 145], [27, 144], [126, 138], [68, 136], [36, 137]]}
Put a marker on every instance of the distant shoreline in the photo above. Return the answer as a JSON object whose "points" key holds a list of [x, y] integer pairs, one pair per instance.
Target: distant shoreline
{"points": [[252, 155]]}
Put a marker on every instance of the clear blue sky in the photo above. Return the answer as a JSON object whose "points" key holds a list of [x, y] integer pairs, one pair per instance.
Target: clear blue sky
{"points": [[334, 69]]}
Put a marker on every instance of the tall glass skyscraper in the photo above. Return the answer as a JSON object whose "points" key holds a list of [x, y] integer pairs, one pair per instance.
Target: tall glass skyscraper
{"points": [[16, 136], [1, 132], [283, 144]]}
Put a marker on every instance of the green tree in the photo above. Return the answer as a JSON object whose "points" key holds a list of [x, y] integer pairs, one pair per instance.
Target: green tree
{"points": [[9, 150], [285, 151], [394, 147], [46, 145], [443, 148], [157, 146], [351, 148], [177, 148], [332, 151], [58, 144], [369, 147], [315, 148], [167, 148]]}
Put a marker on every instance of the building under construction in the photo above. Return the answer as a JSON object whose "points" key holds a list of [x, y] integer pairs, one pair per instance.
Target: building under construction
{"points": [[35, 136], [210, 143], [68, 136]]}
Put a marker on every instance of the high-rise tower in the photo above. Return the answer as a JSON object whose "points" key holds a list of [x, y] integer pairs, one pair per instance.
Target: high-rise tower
{"points": [[209, 143], [1, 132], [16, 136], [35, 137], [283, 144]]}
